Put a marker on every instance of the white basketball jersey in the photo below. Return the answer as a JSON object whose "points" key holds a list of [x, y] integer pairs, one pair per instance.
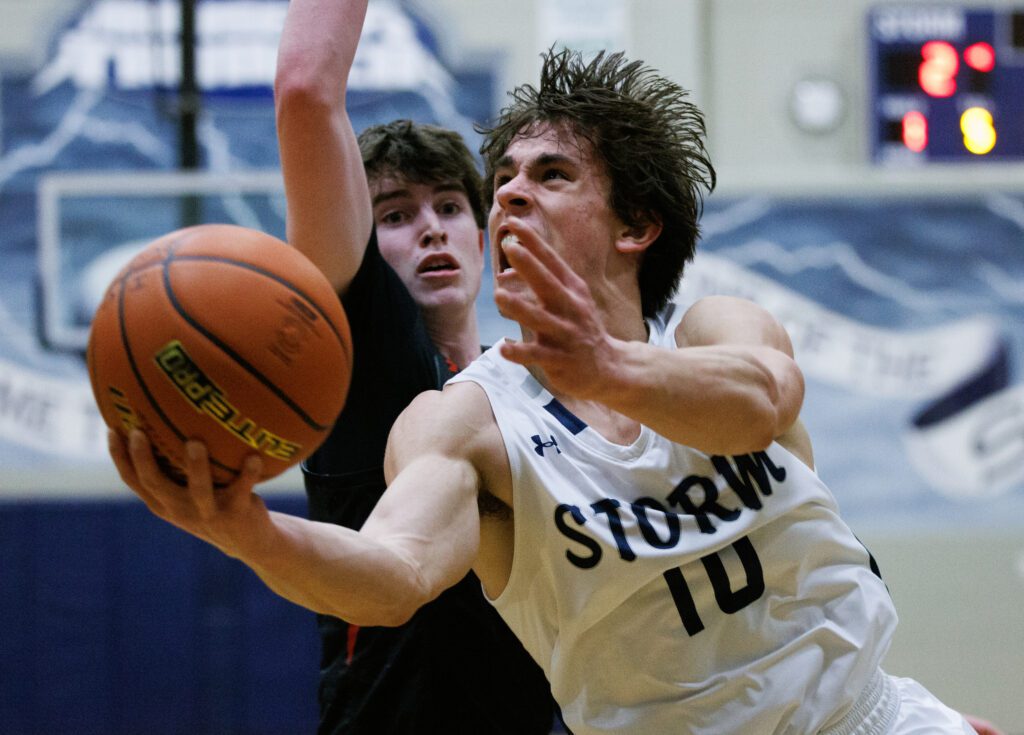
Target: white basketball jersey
{"points": [[663, 590]]}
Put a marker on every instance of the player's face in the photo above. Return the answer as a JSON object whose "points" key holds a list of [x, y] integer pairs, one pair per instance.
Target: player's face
{"points": [[550, 180], [427, 233]]}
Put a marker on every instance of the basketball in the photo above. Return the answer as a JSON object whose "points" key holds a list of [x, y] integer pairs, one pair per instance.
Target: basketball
{"points": [[227, 335]]}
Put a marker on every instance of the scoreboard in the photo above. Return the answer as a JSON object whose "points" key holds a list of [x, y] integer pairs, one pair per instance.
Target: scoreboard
{"points": [[947, 83]]}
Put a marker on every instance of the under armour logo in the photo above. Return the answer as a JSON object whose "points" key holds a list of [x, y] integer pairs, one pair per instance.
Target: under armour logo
{"points": [[542, 445]]}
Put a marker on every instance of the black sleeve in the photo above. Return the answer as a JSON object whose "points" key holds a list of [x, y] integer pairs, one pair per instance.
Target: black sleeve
{"points": [[393, 361]]}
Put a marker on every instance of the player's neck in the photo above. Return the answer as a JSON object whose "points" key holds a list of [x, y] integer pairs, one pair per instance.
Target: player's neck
{"points": [[457, 337], [622, 314], [622, 319], [609, 423]]}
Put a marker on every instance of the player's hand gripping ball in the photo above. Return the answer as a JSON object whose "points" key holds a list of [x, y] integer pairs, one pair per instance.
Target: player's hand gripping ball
{"points": [[227, 335]]}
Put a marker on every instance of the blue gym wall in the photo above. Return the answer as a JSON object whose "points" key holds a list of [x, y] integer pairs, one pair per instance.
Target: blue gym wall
{"points": [[111, 621]]}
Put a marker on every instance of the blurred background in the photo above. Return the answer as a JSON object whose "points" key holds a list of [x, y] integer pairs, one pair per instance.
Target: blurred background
{"points": [[871, 194]]}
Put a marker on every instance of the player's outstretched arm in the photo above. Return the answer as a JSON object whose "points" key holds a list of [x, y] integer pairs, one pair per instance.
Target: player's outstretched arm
{"points": [[421, 539], [328, 203], [732, 387]]}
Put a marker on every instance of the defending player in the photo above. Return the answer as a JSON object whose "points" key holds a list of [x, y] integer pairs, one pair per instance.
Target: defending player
{"points": [[395, 223], [665, 550]]}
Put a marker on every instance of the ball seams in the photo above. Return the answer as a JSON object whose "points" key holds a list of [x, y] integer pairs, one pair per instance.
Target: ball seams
{"points": [[140, 379], [230, 352]]}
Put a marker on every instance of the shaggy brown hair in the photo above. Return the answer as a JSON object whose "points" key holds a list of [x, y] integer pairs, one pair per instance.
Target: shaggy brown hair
{"points": [[649, 138], [422, 154]]}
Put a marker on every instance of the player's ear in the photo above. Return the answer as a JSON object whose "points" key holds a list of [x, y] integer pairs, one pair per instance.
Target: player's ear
{"points": [[636, 237]]}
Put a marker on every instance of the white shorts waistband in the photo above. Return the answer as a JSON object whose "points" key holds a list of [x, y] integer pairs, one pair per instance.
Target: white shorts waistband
{"points": [[874, 712]]}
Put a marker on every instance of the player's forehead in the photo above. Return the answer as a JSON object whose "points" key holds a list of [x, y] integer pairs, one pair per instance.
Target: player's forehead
{"points": [[393, 186], [544, 141]]}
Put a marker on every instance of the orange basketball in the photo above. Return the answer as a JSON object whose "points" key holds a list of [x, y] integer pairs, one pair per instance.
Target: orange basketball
{"points": [[224, 334]]}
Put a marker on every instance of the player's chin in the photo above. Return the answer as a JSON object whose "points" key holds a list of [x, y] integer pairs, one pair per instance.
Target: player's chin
{"points": [[450, 297]]}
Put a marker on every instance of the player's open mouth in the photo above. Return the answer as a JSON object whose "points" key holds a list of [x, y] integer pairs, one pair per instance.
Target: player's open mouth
{"points": [[507, 238], [438, 263]]}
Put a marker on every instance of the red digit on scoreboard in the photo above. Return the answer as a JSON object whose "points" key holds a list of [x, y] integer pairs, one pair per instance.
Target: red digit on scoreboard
{"points": [[980, 56], [915, 131], [937, 73]]}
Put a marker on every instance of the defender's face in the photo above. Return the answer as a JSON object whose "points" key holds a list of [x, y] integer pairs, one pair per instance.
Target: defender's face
{"points": [[427, 233], [550, 180]]}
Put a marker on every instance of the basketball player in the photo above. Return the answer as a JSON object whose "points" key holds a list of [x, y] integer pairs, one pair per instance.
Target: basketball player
{"points": [[396, 223], [630, 481]]}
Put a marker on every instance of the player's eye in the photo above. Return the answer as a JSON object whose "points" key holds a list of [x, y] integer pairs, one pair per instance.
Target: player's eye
{"points": [[392, 217], [554, 173], [449, 208]]}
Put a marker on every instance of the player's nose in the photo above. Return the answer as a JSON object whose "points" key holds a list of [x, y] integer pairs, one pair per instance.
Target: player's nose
{"points": [[513, 194], [433, 228]]}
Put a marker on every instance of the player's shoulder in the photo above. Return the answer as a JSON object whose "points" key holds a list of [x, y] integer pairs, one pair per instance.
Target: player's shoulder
{"points": [[455, 419], [721, 308], [730, 319], [456, 423]]}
